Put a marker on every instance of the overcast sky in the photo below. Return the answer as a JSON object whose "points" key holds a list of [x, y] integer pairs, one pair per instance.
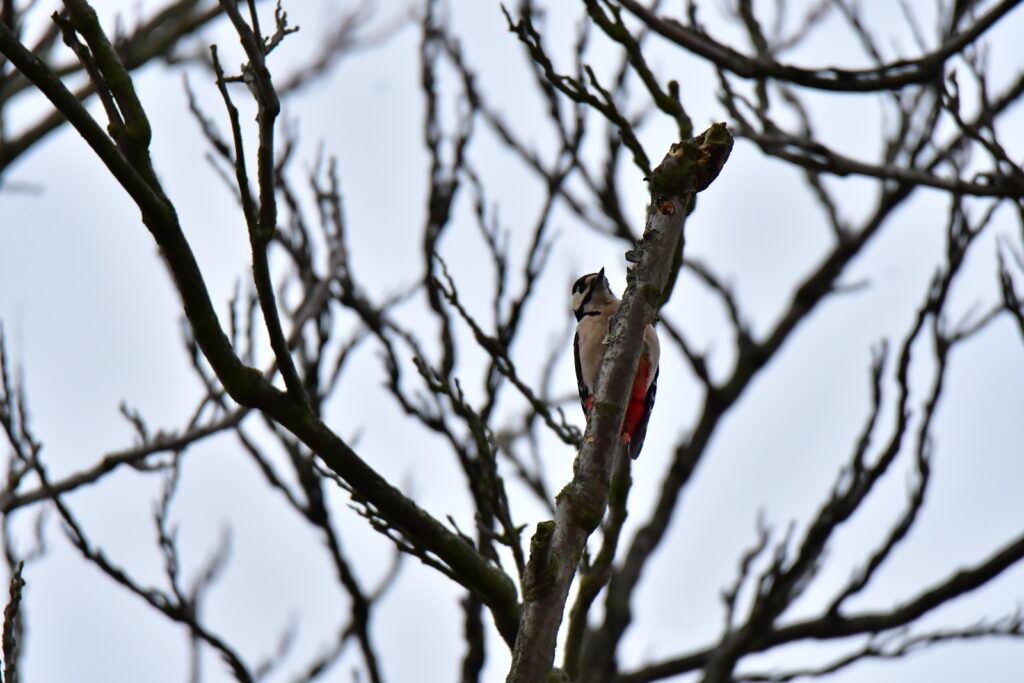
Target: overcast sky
{"points": [[92, 320]]}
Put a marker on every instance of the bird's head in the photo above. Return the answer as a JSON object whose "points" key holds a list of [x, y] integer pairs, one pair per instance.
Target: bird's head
{"points": [[590, 293]]}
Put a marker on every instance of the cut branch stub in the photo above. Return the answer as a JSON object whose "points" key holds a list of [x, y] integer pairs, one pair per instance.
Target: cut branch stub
{"points": [[690, 165], [555, 552]]}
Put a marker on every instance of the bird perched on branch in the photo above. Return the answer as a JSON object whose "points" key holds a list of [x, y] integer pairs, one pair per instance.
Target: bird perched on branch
{"points": [[593, 304]]}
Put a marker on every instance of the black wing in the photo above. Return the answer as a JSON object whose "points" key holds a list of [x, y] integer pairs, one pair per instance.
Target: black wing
{"points": [[636, 442], [580, 386]]}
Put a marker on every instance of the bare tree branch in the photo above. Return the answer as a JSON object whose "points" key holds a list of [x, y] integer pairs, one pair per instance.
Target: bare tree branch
{"points": [[557, 546], [889, 76]]}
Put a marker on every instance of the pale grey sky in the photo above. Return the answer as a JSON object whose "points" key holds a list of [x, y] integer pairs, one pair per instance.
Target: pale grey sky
{"points": [[92, 320]]}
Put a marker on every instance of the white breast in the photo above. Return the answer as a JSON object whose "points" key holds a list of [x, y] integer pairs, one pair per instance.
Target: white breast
{"points": [[592, 331]]}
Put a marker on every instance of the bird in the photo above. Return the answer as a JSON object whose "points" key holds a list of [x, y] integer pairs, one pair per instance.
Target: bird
{"points": [[593, 304]]}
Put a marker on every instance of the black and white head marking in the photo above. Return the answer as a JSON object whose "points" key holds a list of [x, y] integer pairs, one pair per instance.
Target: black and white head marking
{"points": [[583, 290]]}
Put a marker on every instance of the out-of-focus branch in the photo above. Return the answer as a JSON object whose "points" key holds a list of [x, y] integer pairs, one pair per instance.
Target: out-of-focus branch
{"points": [[828, 628], [176, 605], [499, 353], [578, 88], [160, 443], [817, 157], [891, 76], [609, 19], [899, 645], [802, 148], [444, 177], [12, 626], [346, 37], [786, 577], [1012, 302]]}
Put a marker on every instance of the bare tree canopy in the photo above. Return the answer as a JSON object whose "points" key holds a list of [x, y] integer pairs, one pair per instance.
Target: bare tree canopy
{"points": [[328, 429]]}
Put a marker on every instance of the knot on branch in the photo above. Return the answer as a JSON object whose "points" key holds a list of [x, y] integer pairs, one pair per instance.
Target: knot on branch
{"points": [[542, 565]]}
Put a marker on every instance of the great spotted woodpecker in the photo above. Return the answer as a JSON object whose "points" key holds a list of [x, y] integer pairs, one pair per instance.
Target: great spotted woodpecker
{"points": [[593, 305]]}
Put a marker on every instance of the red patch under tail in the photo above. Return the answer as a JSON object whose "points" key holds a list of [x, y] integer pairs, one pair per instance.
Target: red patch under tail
{"points": [[637, 400]]}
